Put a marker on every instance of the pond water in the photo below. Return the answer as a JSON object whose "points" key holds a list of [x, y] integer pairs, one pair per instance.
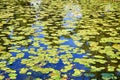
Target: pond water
{"points": [[59, 40]]}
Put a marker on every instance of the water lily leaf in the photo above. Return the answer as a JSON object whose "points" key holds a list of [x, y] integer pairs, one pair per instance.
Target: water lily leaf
{"points": [[55, 75], [79, 44], [12, 75], [12, 59], [36, 44], [77, 72], [97, 56], [89, 74], [20, 55], [111, 68], [116, 46], [38, 79], [1, 77], [29, 73], [67, 68], [108, 76], [23, 70], [2, 64]]}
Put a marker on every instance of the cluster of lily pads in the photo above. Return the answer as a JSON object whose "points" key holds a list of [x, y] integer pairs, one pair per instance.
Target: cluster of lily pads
{"points": [[41, 34]]}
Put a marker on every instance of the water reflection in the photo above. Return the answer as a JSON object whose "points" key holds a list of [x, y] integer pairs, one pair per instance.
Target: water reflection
{"points": [[35, 3], [73, 13], [38, 29], [109, 7]]}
